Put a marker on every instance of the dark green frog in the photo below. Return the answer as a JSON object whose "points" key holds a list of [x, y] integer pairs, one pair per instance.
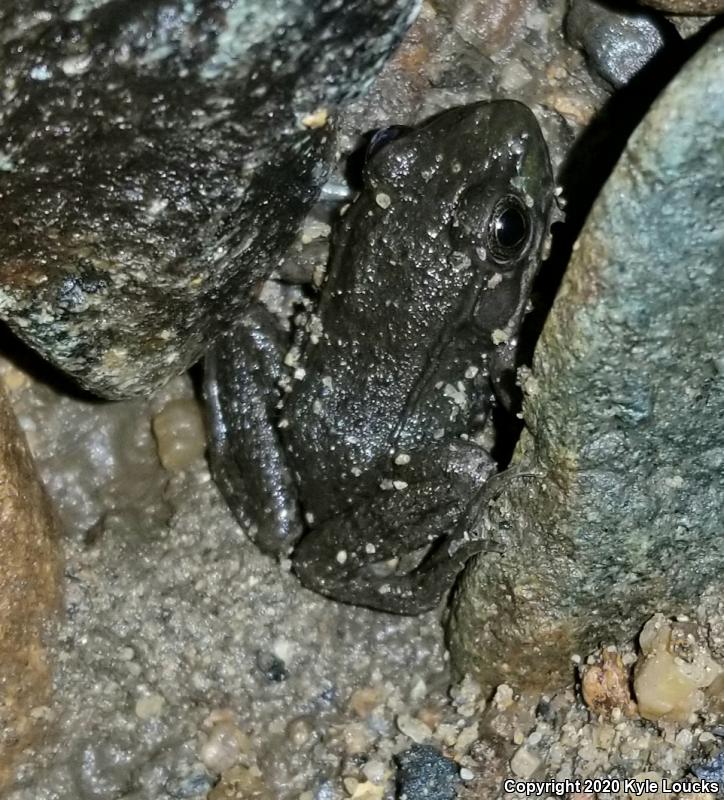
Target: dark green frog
{"points": [[370, 469]]}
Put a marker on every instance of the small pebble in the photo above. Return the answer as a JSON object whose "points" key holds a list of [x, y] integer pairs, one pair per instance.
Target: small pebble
{"points": [[413, 728], [149, 706], [383, 200], [299, 731], [364, 701], [356, 738], [317, 119], [666, 685], [605, 685], [192, 786], [618, 42], [375, 772], [712, 770], [503, 697], [180, 434], [425, 774], [223, 747], [524, 763], [241, 783], [466, 738], [273, 668]]}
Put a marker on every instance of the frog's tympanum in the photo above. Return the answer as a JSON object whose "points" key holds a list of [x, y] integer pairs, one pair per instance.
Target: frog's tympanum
{"points": [[370, 470]]}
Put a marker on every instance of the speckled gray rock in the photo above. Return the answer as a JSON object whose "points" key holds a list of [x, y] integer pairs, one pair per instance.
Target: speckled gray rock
{"points": [[425, 774], [625, 413], [618, 42], [155, 161]]}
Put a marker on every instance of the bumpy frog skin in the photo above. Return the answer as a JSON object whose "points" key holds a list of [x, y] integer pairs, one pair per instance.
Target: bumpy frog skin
{"points": [[370, 473]]}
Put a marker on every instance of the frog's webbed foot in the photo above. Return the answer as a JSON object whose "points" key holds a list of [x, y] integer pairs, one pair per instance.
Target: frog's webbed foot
{"points": [[241, 375]]}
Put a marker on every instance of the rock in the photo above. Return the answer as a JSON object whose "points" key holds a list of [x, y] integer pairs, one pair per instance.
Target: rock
{"points": [[29, 593], [425, 774], [673, 669], [613, 508], [224, 746], [618, 42], [523, 764], [701, 8], [149, 706], [142, 148], [180, 434], [489, 27], [241, 783], [605, 685], [711, 771], [413, 728], [273, 668], [189, 787], [366, 700], [365, 790]]}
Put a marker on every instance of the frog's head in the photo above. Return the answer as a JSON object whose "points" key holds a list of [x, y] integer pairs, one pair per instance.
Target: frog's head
{"points": [[503, 221], [477, 188]]}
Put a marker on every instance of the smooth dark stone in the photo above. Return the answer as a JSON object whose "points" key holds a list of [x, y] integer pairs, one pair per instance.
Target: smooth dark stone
{"points": [[619, 43]]}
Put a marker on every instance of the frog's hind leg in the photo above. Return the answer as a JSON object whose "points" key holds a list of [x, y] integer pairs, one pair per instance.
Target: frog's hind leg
{"points": [[347, 575], [345, 556], [241, 376]]}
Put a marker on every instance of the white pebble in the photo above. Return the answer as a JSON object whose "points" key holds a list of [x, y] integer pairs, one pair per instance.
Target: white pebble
{"points": [[149, 706], [222, 749], [524, 763], [180, 434], [413, 728], [383, 200]]}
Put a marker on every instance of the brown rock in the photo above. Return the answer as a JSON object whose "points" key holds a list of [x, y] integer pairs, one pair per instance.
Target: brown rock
{"points": [[489, 27], [697, 8], [29, 593], [605, 685]]}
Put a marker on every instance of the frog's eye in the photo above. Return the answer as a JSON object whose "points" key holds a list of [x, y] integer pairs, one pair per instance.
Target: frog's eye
{"points": [[508, 229], [383, 137]]}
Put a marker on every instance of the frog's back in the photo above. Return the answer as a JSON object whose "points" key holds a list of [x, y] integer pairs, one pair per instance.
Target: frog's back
{"points": [[400, 310]]}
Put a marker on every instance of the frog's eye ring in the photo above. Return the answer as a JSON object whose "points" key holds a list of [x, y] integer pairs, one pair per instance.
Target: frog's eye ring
{"points": [[382, 137], [509, 229]]}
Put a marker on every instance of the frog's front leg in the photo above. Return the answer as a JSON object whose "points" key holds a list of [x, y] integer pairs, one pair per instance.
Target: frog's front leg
{"points": [[427, 505], [241, 376]]}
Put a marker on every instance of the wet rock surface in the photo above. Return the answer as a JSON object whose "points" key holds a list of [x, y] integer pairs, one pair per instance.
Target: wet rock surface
{"points": [[30, 581], [695, 7], [184, 650], [618, 43], [621, 514], [142, 148]]}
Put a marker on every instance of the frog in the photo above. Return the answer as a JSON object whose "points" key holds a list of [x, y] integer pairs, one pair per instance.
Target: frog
{"points": [[369, 470]]}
